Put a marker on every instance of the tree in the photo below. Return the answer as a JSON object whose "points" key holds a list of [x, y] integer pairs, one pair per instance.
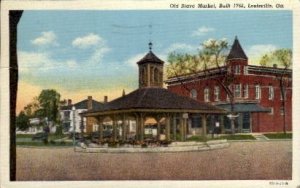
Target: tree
{"points": [[22, 121], [284, 58], [49, 101], [212, 55]]}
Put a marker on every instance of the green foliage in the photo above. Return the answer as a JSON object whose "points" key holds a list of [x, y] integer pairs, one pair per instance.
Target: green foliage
{"points": [[49, 103], [265, 59], [59, 130], [238, 137], [211, 55], [281, 57], [279, 136], [22, 121]]}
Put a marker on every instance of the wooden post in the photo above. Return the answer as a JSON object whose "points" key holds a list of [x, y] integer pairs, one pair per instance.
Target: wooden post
{"points": [[123, 128], [203, 119], [168, 128], [100, 120], [142, 130], [174, 128], [137, 127], [222, 124], [114, 129], [181, 128], [158, 129]]}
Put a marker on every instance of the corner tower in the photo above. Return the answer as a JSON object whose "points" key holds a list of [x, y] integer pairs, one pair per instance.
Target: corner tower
{"points": [[237, 60], [150, 70]]}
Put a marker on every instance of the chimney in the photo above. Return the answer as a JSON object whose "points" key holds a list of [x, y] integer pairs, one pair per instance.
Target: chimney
{"points": [[90, 103], [69, 102], [105, 99], [274, 65], [123, 94]]}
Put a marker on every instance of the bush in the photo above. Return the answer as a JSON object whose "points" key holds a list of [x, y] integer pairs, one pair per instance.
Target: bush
{"points": [[62, 143], [45, 141], [52, 142]]}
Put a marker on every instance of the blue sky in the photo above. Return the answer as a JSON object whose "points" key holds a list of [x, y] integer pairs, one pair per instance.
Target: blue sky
{"points": [[82, 53]]}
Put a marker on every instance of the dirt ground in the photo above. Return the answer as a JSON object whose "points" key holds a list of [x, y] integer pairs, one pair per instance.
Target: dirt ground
{"points": [[242, 161]]}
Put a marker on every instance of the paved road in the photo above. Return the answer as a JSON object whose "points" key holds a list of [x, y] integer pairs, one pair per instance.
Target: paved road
{"points": [[242, 160]]}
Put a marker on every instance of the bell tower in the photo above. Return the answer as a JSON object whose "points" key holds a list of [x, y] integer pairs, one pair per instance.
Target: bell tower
{"points": [[150, 70]]}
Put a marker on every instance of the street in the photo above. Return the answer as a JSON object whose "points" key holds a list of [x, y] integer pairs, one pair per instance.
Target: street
{"points": [[241, 161]]}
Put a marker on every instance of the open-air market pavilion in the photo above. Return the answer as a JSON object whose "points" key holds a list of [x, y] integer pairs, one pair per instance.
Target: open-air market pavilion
{"points": [[173, 113]]}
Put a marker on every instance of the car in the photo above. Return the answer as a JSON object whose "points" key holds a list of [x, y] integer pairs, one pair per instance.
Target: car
{"points": [[40, 136]]}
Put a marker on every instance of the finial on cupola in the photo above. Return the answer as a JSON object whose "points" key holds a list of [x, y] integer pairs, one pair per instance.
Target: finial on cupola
{"points": [[150, 46]]}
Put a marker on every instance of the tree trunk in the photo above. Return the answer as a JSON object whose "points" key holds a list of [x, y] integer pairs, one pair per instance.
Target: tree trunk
{"points": [[14, 17], [232, 119]]}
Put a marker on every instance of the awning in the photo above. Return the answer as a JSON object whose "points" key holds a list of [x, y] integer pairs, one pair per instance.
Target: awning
{"points": [[245, 107]]}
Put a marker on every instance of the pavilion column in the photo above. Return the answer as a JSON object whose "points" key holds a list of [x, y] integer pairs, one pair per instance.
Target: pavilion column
{"points": [[137, 127], [181, 124], [142, 127], [114, 128], [185, 128], [100, 123], [222, 124], [124, 127], [168, 127], [203, 119], [174, 128], [158, 127]]}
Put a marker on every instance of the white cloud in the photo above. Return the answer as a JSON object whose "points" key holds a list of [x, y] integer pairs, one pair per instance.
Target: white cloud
{"points": [[201, 31], [256, 51], [36, 61], [134, 59], [260, 49], [94, 41], [88, 41], [180, 47], [46, 38]]}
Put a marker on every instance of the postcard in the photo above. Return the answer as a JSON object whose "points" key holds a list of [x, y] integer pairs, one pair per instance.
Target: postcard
{"points": [[150, 93]]}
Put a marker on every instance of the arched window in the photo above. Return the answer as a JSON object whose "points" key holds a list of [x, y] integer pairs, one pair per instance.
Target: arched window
{"points": [[156, 75], [206, 95], [193, 94]]}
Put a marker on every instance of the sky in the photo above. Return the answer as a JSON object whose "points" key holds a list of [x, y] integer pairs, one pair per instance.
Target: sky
{"points": [[94, 53]]}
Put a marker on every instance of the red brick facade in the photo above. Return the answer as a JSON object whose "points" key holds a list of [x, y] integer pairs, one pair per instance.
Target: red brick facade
{"points": [[261, 83]]}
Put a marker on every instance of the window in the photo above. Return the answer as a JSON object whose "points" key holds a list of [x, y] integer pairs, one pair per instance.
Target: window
{"points": [[237, 90], [237, 69], [217, 93], [271, 93], [193, 94], [245, 70], [206, 94], [257, 92], [246, 91]]}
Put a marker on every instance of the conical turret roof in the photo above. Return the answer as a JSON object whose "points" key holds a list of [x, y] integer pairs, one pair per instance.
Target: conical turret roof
{"points": [[236, 51]]}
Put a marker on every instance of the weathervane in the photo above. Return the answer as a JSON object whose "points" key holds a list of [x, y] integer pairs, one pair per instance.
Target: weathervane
{"points": [[150, 34]]}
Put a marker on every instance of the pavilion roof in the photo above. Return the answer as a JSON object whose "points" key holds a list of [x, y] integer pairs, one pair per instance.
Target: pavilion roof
{"points": [[157, 99]]}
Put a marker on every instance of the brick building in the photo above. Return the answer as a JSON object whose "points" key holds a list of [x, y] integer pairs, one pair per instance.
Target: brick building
{"points": [[256, 89]]}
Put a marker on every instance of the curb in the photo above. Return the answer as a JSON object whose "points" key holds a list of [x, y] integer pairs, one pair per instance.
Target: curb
{"points": [[170, 149]]}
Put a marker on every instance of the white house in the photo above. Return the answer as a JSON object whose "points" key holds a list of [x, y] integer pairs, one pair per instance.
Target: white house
{"points": [[70, 114]]}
